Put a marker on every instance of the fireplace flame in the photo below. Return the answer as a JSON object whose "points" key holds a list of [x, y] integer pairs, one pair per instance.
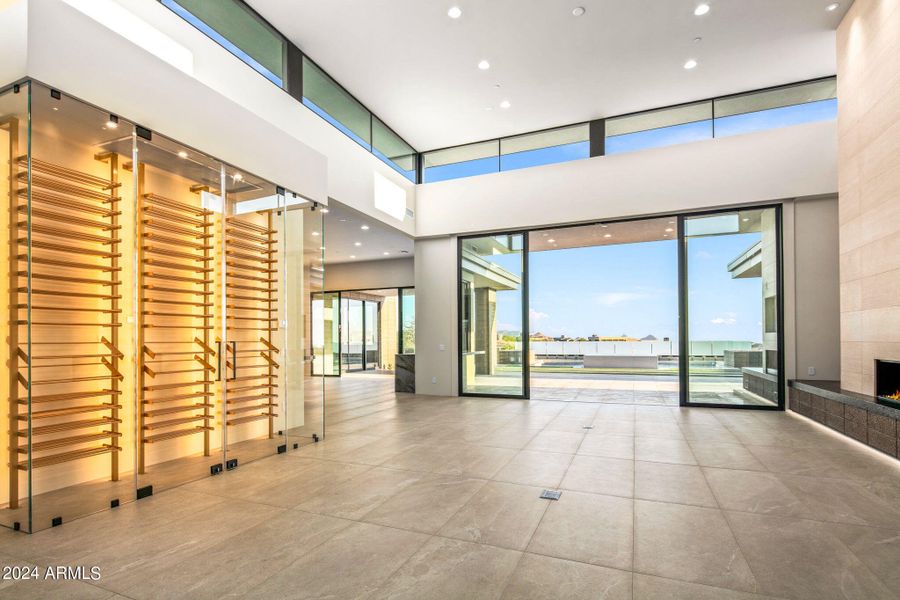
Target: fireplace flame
{"points": [[894, 396]]}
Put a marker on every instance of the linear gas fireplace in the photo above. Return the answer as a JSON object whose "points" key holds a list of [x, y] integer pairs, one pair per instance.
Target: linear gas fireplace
{"points": [[887, 382]]}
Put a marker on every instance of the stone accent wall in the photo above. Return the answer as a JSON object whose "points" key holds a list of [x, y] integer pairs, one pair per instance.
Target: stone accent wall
{"points": [[868, 44], [870, 427]]}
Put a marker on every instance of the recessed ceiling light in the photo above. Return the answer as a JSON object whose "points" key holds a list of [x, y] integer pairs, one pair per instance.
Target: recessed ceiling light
{"points": [[364, 227], [357, 244], [746, 219], [832, 7], [324, 211], [386, 253], [113, 122], [55, 108], [690, 64], [545, 234], [352, 256], [551, 240], [238, 177], [505, 104], [484, 65], [578, 11], [182, 154], [455, 12], [315, 233], [608, 235], [701, 9], [342, 220], [604, 226], [669, 230]]}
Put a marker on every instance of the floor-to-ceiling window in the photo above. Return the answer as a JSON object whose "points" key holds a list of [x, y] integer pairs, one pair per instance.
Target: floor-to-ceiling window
{"points": [[493, 328], [669, 310], [732, 281]]}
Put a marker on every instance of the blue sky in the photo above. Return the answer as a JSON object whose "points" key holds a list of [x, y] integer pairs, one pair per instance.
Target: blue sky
{"points": [[633, 289]]}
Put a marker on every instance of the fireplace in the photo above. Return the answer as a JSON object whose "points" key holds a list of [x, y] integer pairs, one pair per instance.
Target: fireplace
{"points": [[887, 382]]}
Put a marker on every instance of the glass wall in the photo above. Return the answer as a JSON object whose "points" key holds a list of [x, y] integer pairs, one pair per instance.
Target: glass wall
{"points": [[333, 103], [732, 282], [158, 333], [664, 311], [390, 147], [656, 128], [779, 107], [545, 147], [239, 30], [492, 311], [326, 333]]}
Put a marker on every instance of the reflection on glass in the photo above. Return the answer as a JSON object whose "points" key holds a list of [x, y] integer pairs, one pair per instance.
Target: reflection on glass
{"points": [[461, 161], [493, 319], [371, 335], [545, 147], [656, 128], [352, 334], [408, 318], [331, 102], [732, 307], [234, 27], [326, 334], [390, 147]]}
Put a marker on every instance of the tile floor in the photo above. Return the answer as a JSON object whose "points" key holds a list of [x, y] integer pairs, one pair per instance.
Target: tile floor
{"points": [[421, 497]]}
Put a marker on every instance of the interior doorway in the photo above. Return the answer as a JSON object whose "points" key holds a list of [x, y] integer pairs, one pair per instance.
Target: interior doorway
{"points": [[361, 331]]}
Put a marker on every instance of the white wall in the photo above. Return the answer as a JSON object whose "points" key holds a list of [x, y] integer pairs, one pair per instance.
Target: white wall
{"points": [[817, 288], [436, 327], [370, 275], [789, 162], [225, 108], [13, 42]]}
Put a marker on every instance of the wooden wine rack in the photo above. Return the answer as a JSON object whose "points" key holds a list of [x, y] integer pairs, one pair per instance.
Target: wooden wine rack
{"points": [[65, 316], [251, 304], [176, 375]]}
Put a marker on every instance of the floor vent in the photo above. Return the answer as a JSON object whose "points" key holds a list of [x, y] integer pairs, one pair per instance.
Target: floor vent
{"points": [[551, 494]]}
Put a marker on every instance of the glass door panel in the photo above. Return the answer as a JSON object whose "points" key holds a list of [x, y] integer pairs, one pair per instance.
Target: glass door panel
{"points": [[301, 278], [732, 283], [371, 336], [255, 242], [493, 326], [352, 332], [408, 321], [180, 435], [326, 334]]}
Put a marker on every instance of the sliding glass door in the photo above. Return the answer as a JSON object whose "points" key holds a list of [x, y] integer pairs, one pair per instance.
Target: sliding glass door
{"points": [[731, 273], [493, 308], [727, 349]]}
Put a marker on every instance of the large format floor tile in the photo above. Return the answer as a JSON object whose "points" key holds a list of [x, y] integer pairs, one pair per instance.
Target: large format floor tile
{"points": [[427, 504], [587, 528], [431, 497], [689, 543], [451, 569], [545, 578], [499, 514], [797, 558]]}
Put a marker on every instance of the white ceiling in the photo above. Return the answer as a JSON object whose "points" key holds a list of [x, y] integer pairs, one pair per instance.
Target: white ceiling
{"points": [[343, 228], [417, 69]]}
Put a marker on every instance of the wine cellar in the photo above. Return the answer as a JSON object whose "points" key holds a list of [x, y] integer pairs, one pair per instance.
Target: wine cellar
{"points": [[156, 331]]}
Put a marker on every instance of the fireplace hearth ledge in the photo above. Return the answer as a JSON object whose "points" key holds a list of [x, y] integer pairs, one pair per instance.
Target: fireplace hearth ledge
{"points": [[857, 416]]}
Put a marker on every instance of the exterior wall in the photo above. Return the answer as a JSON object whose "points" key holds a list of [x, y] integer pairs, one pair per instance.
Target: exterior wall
{"points": [[868, 44], [370, 275]]}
